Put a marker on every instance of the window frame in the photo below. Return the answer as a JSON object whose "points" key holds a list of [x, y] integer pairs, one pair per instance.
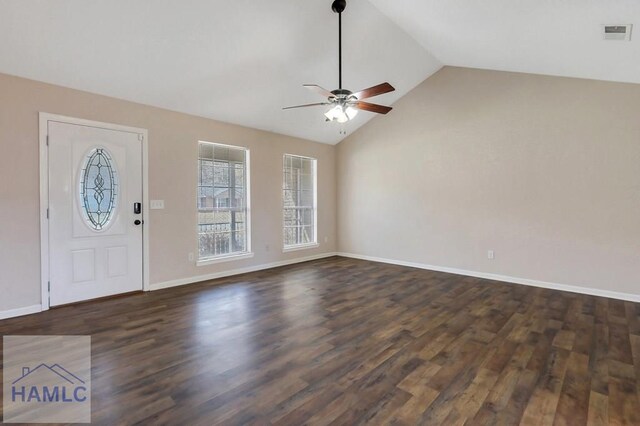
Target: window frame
{"points": [[247, 253], [314, 243]]}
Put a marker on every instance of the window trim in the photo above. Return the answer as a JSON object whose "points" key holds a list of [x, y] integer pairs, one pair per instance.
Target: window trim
{"points": [[297, 247], [314, 243], [224, 258], [248, 253]]}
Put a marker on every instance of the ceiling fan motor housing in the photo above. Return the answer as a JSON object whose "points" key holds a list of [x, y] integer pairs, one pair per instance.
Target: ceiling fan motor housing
{"points": [[342, 93]]}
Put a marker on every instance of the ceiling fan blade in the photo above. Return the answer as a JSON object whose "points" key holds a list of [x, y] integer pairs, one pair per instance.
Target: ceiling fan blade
{"points": [[366, 106], [307, 105], [374, 91], [319, 90]]}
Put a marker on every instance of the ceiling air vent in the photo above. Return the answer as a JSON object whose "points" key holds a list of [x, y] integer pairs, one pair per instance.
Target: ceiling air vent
{"points": [[617, 32]]}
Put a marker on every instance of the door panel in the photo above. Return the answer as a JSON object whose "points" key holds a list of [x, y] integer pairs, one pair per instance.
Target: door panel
{"points": [[95, 177]]}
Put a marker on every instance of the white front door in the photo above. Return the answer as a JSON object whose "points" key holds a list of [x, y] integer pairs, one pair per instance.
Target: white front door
{"points": [[95, 212]]}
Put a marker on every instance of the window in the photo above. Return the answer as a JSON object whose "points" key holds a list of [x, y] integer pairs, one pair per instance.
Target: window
{"points": [[299, 201], [222, 201]]}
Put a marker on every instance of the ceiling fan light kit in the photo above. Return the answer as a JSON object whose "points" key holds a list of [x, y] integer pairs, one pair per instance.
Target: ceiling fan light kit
{"points": [[344, 104], [341, 113]]}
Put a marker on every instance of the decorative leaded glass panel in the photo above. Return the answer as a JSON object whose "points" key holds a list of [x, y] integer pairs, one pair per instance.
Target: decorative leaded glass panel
{"points": [[98, 189]]}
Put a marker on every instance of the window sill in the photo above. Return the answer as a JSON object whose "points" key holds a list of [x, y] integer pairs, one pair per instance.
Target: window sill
{"points": [[221, 259], [300, 247]]}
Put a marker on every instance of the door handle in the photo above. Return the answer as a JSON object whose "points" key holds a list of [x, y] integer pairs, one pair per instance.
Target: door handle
{"points": [[137, 208], [138, 222]]}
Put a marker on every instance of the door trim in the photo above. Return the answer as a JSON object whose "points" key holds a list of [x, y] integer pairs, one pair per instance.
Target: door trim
{"points": [[44, 119]]}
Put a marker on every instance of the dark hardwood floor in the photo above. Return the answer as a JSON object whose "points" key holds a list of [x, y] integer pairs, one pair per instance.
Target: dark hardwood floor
{"points": [[346, 341]]}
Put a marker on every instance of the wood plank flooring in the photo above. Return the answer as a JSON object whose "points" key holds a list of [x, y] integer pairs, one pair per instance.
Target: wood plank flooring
{"points": [[343, 341]]}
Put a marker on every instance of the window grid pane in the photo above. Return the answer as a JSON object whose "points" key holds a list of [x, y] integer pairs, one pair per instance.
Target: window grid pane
{"points": [[222, 206], [299, 198]]}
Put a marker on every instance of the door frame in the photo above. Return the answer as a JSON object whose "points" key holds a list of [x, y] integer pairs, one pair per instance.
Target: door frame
{"points": [[44, 119]]}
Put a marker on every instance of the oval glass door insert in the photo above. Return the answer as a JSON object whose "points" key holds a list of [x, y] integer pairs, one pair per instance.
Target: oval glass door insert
{"points": [[98, 189]]}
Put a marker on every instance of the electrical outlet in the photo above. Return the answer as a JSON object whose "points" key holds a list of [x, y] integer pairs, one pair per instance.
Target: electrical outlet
{"points": [[191, 257], [326, 239], [490, 254], [266, 247]]}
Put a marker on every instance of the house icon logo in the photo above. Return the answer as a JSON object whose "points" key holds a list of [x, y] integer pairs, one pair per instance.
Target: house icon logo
{"points": [[48, 384]]}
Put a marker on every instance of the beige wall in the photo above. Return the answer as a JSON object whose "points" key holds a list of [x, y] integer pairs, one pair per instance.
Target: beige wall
{"points": [[545, 171], [172, 172]]}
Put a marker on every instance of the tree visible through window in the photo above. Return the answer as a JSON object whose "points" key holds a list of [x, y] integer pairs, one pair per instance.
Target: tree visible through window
{"points": [[299, 200], [222, 200]]}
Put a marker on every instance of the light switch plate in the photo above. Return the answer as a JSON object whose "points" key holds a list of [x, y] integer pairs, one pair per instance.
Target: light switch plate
{"points": [[156, 204]]}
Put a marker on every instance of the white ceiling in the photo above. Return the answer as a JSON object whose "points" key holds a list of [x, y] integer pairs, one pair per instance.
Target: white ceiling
{"points": [[554, 37], [241, 61], [237, 61]]}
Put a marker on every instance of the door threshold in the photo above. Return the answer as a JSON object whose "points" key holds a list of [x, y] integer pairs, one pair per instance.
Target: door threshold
{"points": [[99, 299]]}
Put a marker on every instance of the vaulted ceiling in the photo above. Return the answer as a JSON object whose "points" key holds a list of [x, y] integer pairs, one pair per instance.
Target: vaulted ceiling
{"points": [[242, 61], [553, 37]]}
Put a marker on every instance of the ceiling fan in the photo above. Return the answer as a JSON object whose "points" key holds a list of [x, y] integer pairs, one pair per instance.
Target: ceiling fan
{"points": [[344, 103]]}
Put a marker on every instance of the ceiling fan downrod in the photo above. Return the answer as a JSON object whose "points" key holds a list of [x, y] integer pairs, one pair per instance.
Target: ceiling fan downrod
{"points": [[338, 7]]}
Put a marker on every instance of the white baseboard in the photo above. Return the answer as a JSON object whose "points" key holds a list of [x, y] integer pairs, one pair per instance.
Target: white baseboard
{"points": [[18, 312], [228, 273], [515, 280]]}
